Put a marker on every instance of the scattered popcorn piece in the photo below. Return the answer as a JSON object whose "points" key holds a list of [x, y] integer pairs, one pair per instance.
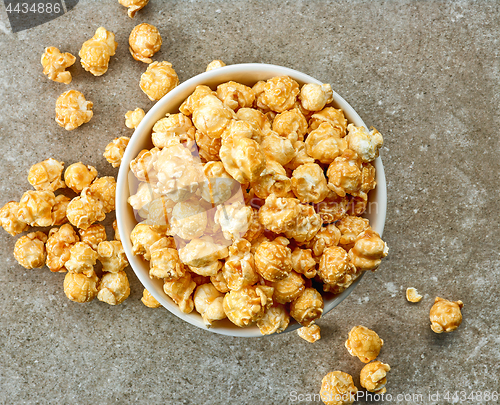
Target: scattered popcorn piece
{"points": [[239, 269], [368, 251], [73, 110], [445, 315], [58, 213], [365, 144], [235, 95], [337, 388], [29, 250], [145, 41], [95, 52], [82, 259], [78, 176], [112, 256], [331, 116], [275, 320], [289, 288], [104, 189], [364, 344], [291, 124], [148, 300], [215, 64], [412, 295], [115, 228], [248, 304], [373, 377], [93, 235], [180, 291], [273, 260], [165, 262], [314, 97], [133, 6], [310, 333], [58, 247], [80, 288], [189, 220], [134, 118], [10, 219], [114, 288], [143, 236], [309, 183], [273, 180], [209, 303], [46, 175], [55, 64], [307, 307], [158, 79], [234, 219], [336, 271], [280, 94], [35, 208], [115, 150], [325, 143], [303, 262], [350, 228], [85, 210]]}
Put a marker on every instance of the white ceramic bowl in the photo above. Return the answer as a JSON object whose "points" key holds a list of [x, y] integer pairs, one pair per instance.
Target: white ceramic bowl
{"points": [[248, 74]]}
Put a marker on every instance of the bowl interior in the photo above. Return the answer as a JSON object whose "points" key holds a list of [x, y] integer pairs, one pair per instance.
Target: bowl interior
{"points": [[247, 74]]}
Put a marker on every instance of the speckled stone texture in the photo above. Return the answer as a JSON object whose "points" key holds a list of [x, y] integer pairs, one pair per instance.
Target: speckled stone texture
{"points": [[426, 74]]}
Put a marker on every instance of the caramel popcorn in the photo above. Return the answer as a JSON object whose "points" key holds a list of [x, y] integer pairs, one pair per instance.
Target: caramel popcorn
{"points": [[59, 210], [143, 236], [82, 259], [196, 98], [332, 208], [331, 116], [144, 41], [93, 235], [277, 148], [314, 97], [148, 300], [275, 320], [373, 377], [248, 304], [78, 176], [337, 388], [84, 210], [115, 229], [289, 288], [114, 288], [350, 228], [273, 180], [325, 143], [273, 260], [368, 251], [303, 262], [80, 288], [133, 6], [335, 270], [301, 157], [255, 228], [143, 165], [208, 148], [364, 344], [35, 208], [307, 307], [115, 150], [142, 198], [209, 303], [72, 110], [215, 64], [327, 236], [158, 79], [280, 94], [55, 64], [134, 118], [211, 116], [104, 189], [258, 121], [165, 262], [172, 130], [365, 144], [239, 269], [29, 250], [235, 95], [445, 315], [219, 185], [189, 220], [10, 219], [345, 174], [203, 255], [234, 219], [412, 295], [180, 291], [112, 256], [309, 183], [95, 52], [58, 247], [243, 158], [310, 333], [291, 124], [46, 175], [219, 282]]}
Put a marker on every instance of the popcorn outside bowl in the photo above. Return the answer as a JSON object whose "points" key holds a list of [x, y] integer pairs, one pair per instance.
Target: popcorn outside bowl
{"points": [[248, 74]]}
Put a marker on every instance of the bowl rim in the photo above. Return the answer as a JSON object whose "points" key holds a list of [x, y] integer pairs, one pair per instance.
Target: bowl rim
{"points": [[144, 129]]}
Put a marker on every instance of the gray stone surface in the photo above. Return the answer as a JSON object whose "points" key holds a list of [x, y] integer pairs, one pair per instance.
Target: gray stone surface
{"points": [[426, 74]]}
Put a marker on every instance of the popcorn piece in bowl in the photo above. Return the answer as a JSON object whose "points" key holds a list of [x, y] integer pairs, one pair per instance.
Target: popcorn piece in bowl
{"points": [[112, 256], [202, 256], [46, 175], [291, 124], [55, 64], [85, 210], [239, 269], [142, 198], [29, 250], [368, 251], [373, 377], [104, 189], [209, 303], [165, 262], [310, 333], [134, 118], [143, 236], [314, 97], [35, 208], [148, 300], [303, 262], [345, 174], [326, 237], [82, 259], [325, 143], [273, 260], [309, 183], [215, 64], [364, 344], [365, 144], [445, 315], [289, 288], [133, 6], [143, 165], [280, 93], [78, 176], [211, 116], [275, 320], [10, 219], [337, 388], [273, 180], [208, 148], [96, 52], [336, 271], [307, 307], [235, 95], [172, 130], [278, 148], [350, 228], [114, 288], [195, 99], [412, 295], [189, 220], [80, 288], [332, 116], [73, 110], [219, 186], [332, 208], [58, 247], [145, 41], [93, 235], [115, 150], [158, 79], [181, 291], [247, 305], [300, 157], [219, 282], [234, 219]]}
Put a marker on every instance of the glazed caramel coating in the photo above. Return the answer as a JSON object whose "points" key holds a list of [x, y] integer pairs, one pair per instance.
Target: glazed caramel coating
{"points": [[325, 143], [112, 256], [345, 174], [58, 213], [209, 303], [219, 185], [243, 158], [148, 300], [96, 52], [215, 64], [58, 247], [273, 180], [143, 236], [180, 291], [133, 6], [115, 229], [239, 269], [273, 260], [259, 121], [279, 214], [331, 116], [211, 116], [337, 388], [332, 208], [55, 64], [280, 94], [157, 213], [291, 124], [303, 262], [203, 255], [144, 41], [368, 251], [219, 282], [114, 288], [10, 219], [248, 304], [255, 228], [35, 208], [195, 99], [309, 183], [364, 343], [314, 97], [134, 118], [310, 333], [80, 288], [78, 176], [158, 79], [208, 148], [104, 189], [29, 250], [46, 175], [350, 228], [445, 315], [93, 235], [85, 210], [165, 262], [327, 236], [307, 307], [365, 144], [115, 150], [373, 377], [82, 259], [277, 148], [73, 110], [336, 271], [275, 320], [235, 95], [289, 288]]}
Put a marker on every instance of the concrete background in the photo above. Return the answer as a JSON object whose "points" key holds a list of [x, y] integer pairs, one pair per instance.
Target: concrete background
{"points": [[426, 74]]}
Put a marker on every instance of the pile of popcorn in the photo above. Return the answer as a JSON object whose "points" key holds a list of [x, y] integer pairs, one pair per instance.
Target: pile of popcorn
{"points": [[249, 204], [75, 240]]}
